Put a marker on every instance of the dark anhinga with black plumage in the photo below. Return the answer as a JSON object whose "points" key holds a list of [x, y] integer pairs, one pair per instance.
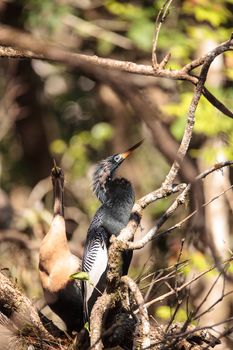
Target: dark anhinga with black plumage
{"points": [[117, 198], [57, 264]]}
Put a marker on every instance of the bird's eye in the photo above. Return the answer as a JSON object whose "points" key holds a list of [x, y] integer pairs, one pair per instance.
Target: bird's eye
{"points": [[117, 158]]}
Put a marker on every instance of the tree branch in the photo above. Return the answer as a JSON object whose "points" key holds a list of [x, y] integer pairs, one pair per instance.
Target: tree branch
{"points": [[216, 103], [19, 309], [158, 24], [184, 285], [144, 318], [26, 46], [103, 303], [180, 223], [179, 200]]}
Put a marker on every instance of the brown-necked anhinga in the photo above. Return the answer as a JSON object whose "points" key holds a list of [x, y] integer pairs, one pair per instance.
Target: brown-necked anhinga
{"points": [[117, 198], [57, 264]]}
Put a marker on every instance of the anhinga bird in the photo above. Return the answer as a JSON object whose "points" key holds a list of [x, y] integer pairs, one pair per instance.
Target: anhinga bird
{"points": [[117, 198], [57, 264]]}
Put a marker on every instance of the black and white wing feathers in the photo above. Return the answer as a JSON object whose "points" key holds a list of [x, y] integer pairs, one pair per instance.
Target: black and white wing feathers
{"points": [[95, 261]]}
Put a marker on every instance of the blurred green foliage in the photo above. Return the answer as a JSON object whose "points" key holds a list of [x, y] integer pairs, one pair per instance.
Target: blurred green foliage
{"points": [[209, 122], [165, 312], [75, 152], [44, 14], [200, 263]]}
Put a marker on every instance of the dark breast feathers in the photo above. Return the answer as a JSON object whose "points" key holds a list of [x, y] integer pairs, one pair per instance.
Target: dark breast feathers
{"points": [[109, 219]]}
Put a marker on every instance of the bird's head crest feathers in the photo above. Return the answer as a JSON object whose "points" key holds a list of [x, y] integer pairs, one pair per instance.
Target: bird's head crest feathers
{"points": [[106, 169]]}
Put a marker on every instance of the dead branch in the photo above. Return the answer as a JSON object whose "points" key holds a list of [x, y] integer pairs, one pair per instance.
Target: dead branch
{"points": [[216, 103], [144, 340], [158, 24], [103, 303], [179, 201], [19, 310], [210, 339], [180, 223], [184, 285], [195, 338], [191, 116], [26, 46]]}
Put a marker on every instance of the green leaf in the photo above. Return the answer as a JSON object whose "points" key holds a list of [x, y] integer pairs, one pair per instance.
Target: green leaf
{"points": [[82, 276], [87, 327]]}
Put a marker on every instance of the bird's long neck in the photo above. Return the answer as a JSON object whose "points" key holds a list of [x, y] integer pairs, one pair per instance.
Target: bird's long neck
{"points": [[54, 245], [117, 208], [58, 208], [101, 195]]}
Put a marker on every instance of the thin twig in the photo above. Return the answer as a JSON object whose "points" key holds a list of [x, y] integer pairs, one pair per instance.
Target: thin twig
{"points": [[179, 200], [193, 314], [179, 301], [180, 223], [184, 285], [163, 12]]}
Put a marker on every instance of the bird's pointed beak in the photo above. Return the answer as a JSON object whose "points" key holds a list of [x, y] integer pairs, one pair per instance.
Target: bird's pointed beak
{"points": [[56, 171], [124, 155]]}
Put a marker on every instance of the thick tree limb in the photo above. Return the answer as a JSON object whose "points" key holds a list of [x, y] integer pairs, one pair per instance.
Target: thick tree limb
{"points": [[19, 309]]}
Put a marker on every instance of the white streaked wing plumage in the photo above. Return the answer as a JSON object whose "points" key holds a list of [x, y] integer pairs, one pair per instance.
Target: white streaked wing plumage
{"points": [[97, 269], [95, 259]]}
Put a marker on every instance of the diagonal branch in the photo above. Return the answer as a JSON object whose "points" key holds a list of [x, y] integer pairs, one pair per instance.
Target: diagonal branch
{"points": [[144, 318], [20, 310], [180, 223], [191, 114], [179, 201], [184, 285], [216, 103], [180, 157]]}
